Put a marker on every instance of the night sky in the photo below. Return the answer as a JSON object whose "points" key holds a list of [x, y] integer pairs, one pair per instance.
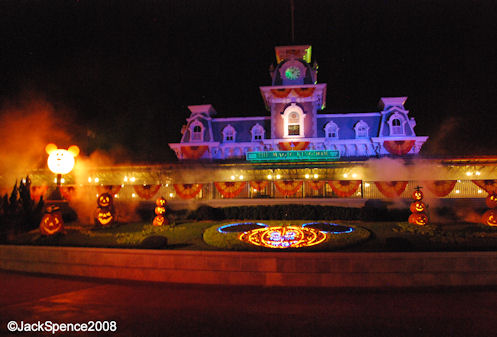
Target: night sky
{"points": [[127, 70]]}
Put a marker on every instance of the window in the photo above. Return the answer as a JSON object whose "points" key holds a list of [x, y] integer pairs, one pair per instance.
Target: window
{"points": [[361, 129], [229, 134], [293, 117], [257, 132], [331, 130], [196, 132], [396, 125]]}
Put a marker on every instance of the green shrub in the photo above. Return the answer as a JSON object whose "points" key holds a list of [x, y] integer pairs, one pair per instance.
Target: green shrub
{"points": [[20, 213]]}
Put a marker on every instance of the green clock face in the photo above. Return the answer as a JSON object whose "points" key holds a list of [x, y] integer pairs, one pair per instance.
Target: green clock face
{"points": [[292, 73]]}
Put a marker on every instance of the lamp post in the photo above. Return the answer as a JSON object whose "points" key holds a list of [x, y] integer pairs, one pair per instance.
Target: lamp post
{"points": [[60, 161]]}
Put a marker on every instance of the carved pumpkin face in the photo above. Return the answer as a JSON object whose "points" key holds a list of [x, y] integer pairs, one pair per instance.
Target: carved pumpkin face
{"points": [[490, 218], [105, 217], [161, 202], [160, 220], [160, 210], [419, 219], [417, 195], [418, 207], [104, 200], [51, 224], [491, 201]]}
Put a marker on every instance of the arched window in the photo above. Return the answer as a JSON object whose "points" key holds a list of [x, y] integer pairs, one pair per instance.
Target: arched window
{"points": [[293, 117], [361, 129], [257, 132], [229, 134], [396, 123], [331, 130], [196, 132]]}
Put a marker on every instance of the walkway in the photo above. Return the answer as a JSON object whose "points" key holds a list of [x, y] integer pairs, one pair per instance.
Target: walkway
{"points": [[159, 309]]}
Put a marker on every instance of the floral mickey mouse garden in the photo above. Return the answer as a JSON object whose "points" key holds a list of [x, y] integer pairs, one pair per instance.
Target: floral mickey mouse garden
{"points": [[374, 227]]}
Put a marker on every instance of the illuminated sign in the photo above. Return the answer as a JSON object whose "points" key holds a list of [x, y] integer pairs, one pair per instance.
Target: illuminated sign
{"points": [[307, 155], [284, 237]]}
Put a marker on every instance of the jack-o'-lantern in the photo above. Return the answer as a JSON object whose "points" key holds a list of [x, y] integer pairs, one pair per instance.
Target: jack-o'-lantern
{"points": [[161, 202], [417, 194], [419, 219], [104, 200], [490, 218], [105, 216], [491, 200], [51, 223], [160, 210], [160, 220], [418, 207]]}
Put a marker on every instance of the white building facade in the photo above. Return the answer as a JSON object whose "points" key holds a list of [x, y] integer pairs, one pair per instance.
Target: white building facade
{"points": [[295, 101]]}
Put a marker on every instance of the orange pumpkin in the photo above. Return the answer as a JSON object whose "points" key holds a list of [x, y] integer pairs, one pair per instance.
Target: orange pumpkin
{"points": [[160, 210], [104, 200], [491, 200], [418, 207], [419, 219], [51, 223], [160, 220], [417, 195], [161, 202], [105, 216], [490, 218]]}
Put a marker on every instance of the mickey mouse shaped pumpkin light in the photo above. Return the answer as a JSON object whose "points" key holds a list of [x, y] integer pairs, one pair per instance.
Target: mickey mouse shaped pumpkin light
{"points": [[61, 162]]}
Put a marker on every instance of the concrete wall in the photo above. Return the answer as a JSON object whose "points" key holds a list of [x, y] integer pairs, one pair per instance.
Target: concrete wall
{"points": [[259, 268]]}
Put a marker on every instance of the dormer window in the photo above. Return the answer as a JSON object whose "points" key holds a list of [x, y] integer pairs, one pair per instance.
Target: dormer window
{"points": [[396, 123], [196, 132], [229, 134], [361, 129], [293, 121], [257, 133], [331, 130]]}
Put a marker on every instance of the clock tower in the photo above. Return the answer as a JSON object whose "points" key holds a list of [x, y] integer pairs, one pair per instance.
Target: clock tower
{"points": [[294, 96]]}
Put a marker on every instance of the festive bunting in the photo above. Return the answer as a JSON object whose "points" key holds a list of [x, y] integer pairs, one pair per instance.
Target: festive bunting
{"points": [[187, 191], [68, 192], [398, 147], [230, 189], [111, 189], [193, 152], [288, 187], [37, 192], [280, 93], [146, 191], [344, 188], [258, 185], [490, 186], [316, 185], [440, 188], [297, 146], [304, 92], [391, 189]]}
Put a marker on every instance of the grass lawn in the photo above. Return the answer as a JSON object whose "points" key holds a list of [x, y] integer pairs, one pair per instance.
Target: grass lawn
{"points": [[385, 236]]}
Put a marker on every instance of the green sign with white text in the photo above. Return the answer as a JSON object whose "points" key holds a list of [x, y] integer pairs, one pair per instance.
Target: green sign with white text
{"points": [[311, 155]]}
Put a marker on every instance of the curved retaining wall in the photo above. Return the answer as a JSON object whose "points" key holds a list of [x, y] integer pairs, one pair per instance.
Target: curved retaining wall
{"points": [[259, 268]]}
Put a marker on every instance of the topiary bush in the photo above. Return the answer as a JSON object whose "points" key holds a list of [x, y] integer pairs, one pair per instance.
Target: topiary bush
{"points": [[372, 211], [18, 212]]}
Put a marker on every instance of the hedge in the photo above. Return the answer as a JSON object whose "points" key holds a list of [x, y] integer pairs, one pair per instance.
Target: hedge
{"points": [[299, 212]]}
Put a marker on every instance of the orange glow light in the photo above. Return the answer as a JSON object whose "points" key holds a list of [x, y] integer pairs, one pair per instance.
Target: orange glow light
{"points": [[61, 161]]}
